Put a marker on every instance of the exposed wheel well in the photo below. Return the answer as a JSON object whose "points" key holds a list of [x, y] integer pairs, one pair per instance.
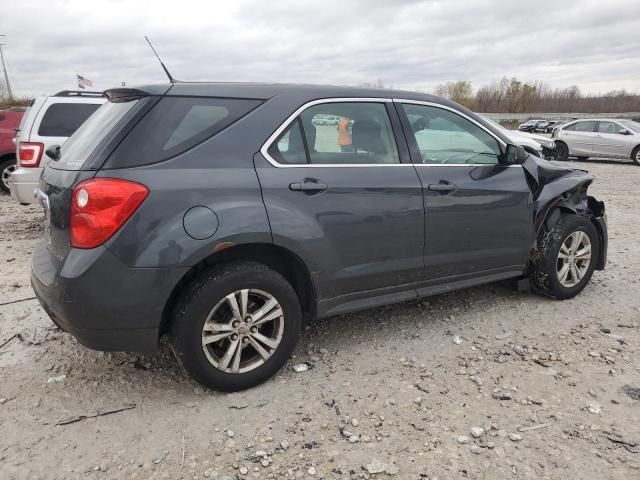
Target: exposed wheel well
{"points": [[285, 262], [7, 156]]}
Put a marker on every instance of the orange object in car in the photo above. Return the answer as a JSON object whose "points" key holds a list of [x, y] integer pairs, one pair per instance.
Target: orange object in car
{"points": [[344, 136]]}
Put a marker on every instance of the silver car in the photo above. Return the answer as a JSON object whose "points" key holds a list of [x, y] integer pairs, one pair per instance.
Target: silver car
{"points": [[602, 137]]}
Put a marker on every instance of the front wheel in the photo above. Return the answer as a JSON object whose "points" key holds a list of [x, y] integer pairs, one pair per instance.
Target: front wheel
{"points": [[7, 167], [235, 326], [568, 255], [562, 151]]}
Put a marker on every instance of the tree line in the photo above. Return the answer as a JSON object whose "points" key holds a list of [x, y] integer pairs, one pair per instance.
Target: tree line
{"points": [[515, 96]]}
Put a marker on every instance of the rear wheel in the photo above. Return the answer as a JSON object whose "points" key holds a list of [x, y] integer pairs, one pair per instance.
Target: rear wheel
{"points": [[568, 255], [562, 151], [236, 325], [635, 155], [7, 167]]}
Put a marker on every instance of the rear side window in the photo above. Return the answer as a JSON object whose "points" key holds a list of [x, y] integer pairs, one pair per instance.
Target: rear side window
{"points": [[176, 124], [62, 119]]}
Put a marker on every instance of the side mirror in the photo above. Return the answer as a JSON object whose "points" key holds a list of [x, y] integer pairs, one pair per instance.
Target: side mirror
{"points": [[516, 154], [624, 131], [53, 152]]}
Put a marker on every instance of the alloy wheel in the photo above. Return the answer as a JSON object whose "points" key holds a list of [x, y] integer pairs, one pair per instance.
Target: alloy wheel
{"points": [[6, 174], [573, 259], [243, 330]]}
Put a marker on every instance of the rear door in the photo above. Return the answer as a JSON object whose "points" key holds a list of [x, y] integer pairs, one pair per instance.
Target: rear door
{"points": [[608, 142], [579, 137], [478, 209], [344, 197]]}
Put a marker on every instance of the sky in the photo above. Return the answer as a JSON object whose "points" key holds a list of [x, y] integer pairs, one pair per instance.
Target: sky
{"points": [[407, 44]]}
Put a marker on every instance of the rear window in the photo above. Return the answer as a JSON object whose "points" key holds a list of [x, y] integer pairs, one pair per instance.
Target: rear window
{"points": [[84, 141], [62, 119], [176, 124]]}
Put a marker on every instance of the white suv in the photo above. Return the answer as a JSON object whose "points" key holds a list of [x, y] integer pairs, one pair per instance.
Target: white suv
{"points": [[48, 121]]}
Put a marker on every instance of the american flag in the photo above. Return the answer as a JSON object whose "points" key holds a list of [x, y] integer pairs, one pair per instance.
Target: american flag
{"points": [[84, 82]]}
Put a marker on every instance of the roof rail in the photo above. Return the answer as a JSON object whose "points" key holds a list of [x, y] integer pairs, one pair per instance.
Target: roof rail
{"points": [[77, 93]]}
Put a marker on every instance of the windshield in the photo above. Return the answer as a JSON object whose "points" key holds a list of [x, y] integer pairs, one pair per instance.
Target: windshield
{"points": [[75, 152], [633, 126]]}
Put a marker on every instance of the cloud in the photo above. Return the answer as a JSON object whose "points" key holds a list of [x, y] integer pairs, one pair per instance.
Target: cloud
{"points": [[410, 44]]}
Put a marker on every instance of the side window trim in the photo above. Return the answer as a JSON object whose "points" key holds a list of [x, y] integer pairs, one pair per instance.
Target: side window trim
{"points": [[401, 142], [414, 150]]}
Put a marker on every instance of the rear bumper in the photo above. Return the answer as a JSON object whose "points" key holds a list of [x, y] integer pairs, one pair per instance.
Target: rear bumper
{"points": [[102, 302], [24, 182]]}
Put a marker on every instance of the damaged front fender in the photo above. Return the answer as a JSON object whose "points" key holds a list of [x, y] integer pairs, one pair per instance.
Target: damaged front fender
{"points": [[559, 189]]}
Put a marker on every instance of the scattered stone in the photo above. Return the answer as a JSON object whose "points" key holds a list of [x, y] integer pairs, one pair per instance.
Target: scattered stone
{"points": [[457, 340], [355, 422], [605, 330], [230, 433], [515, 437], [520, 350], [594, 408], [476, 379], [284, 445], [301, 367], [243, 470], [59, 378], [376, 466], [311, 471], [392, 470], [239, 406], [476, 432], [631, 392], [502, 396], [417, 400], [161, 457], [503, 336], [463, 439], [594, 354], [476, 449]]}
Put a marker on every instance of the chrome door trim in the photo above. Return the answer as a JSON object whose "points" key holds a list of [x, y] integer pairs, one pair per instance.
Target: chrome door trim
{"points": [[264, 150]]}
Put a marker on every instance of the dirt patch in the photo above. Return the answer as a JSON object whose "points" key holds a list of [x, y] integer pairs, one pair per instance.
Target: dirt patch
{"points": [[481, 383]]}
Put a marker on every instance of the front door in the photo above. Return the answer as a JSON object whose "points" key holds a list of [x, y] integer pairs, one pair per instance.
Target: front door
{"points": [[342, 195], [478, 210]]}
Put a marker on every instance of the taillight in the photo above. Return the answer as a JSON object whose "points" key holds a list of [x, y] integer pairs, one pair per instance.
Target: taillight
{"points": [[100, 206], [30, 154]]}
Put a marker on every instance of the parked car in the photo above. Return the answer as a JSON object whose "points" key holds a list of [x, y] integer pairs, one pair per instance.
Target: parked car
{"points": [[550, 125], [541, 126], [9, 121], [529, 126], [538, 145], [601, 137], [215, 214], [48, 121]]}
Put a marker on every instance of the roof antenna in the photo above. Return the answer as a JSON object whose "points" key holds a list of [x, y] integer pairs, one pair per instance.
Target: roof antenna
{"points": [[171, 79]]}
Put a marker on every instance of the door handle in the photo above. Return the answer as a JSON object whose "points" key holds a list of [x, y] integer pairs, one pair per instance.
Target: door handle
{"points": [[309, 185], [442, 188]]}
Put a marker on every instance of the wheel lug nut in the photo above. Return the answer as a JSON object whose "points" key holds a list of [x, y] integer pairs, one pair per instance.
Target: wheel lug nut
{"points": [[235, 323], [254, 329], [234, 337], [245, 340]]}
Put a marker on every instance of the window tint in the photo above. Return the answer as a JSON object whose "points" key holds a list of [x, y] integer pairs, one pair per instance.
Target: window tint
{"points": [[608, 127], [349, 133], [62, 119], [446, 137], [289, 148], [83, 142], [176, 124]]}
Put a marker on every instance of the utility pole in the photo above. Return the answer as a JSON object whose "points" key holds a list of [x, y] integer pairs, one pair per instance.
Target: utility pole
{"points": [[4, 68]]}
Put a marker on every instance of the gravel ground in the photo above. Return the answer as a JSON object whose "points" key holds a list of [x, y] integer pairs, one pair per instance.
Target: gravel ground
{"points": [[481, 383]]}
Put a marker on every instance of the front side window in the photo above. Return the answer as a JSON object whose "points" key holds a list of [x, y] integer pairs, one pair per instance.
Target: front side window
{"points": [[62, 119], [443, 136], [341, 133], [608, 127]]}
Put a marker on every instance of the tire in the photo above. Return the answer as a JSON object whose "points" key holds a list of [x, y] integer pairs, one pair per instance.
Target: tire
{"points": [[583, 159], [545, 274], [635, 155], [6, 168], [562, 151], [206, 295]]}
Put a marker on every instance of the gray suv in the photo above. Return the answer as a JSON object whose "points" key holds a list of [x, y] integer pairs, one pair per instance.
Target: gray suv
{"points": [[225, 214]]}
